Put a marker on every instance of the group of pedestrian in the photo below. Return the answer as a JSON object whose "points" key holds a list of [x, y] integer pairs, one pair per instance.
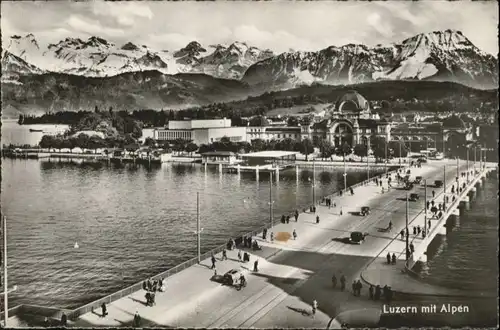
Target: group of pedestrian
{"points": [[342, 282], [285, 219], [356, 288], [375, 293], [329, 203], [153, 285], [391, 259]]}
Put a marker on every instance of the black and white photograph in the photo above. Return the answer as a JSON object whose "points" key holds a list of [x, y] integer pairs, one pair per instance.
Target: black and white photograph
{"points": [[249, 164]]}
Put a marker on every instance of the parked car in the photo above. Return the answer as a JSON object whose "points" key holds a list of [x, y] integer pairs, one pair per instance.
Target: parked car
{"points": [[365, 210], [414, 197], [358, 237], [438, 183], [418, 179], [232, 277]]}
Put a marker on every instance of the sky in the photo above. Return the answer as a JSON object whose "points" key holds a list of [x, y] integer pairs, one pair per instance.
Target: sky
{"points": [[277, 25]]}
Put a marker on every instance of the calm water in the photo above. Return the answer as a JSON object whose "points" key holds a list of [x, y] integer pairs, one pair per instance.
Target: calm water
{"points": [[17, 134], [130, 222]]}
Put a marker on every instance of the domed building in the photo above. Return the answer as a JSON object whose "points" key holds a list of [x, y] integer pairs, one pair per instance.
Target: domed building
{"points": [[349, 120]]}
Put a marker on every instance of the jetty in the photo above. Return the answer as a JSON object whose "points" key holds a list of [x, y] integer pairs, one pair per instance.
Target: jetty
{"points": [[294, 272]]}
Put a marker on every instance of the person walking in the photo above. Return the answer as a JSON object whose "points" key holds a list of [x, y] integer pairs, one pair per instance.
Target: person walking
{"points": [[256, 265], [103, 309], [272, 236], [239, 255], [314, 307], [370, 292], [294, 234], [377, 292], [317, 219], [264, 234], [419, 230], [296, 215], [393, 258], [137, 320], [402, 232], [342, 283], [287, 219], [354, 287], [388, 258], [64, 320], [224, 254], [412, 248], [213, 262], [352, 191], [429, 224], [414, 230], [359, 286], [433, 194], [428, 204], [334, 281]]}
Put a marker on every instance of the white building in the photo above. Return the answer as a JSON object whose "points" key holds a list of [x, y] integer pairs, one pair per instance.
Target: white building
{"points": [[268, 133], [200, 131]]}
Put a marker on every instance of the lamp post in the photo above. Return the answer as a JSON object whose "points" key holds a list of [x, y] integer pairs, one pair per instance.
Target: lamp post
{"points": [[399, 153], [271, 199], [467, 163], [314, 183], [367, 163], [385, 156], [345, 175], [407, 231], [198, 229], [458, 168], [425, 206]]}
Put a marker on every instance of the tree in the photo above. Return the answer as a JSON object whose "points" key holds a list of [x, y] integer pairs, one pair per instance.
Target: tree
{"points": [[191, 147], [205, 148], [149, 142], [47, 142], [346, 149], [258, 145], [361, 150], [292, 121], [378, 147], [396, 146], [306, 147]]}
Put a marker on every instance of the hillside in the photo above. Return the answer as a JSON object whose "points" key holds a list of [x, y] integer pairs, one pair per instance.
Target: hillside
{"points": [[129, 91]]}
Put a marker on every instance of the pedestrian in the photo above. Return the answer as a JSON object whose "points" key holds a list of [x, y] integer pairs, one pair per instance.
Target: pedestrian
{"points": [[429, 224], [393, 258], [215, 272], [283, 219], [402, 234], [370, 292], [224, 254], [428, 204], [272, 236], [317, 219], [294, 234], [296, 215], [334, 204], [354, 287], [314, 307], [432, 203], [287, 219], [239, 255], [264, 233], [351, 190], [104, 311], [334, 281], [412, 248], [433, 194], [342, 283], [64, 320], [407, 234], [359, 286], [341, 211], [377, 292], [419, 230], [213, 261], [440, 214], [388, 258], [256, 265], [414, 230], [137, 320], [440, 206], [423, 234]]}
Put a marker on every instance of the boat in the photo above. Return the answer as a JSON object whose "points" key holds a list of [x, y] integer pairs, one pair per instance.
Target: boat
{"points": [[35, 130]]}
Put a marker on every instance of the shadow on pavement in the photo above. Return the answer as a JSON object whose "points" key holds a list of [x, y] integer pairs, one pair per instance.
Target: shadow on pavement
{"points": [[299, 310]]}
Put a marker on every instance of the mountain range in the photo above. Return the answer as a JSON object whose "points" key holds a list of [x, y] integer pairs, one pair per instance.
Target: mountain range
{"points": [[75, 73]]}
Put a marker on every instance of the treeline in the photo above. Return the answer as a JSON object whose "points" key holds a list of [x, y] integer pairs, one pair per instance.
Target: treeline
{"points": [[84, 141]]}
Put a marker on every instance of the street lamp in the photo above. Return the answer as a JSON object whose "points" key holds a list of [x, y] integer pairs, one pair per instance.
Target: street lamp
{"points": [[271, 202], [345, 175]]}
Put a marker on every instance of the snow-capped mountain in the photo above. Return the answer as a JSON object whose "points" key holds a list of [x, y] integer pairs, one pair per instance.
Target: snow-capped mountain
{"points": [[13, 67], [441, 55], [97, 57]]}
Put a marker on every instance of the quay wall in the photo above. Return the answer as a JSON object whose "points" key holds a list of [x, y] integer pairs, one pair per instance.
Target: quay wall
{"points": [[54, 312]]}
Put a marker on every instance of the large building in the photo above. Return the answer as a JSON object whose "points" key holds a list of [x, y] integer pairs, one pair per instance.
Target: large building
{"points": [[349, 121], [200, 131], [268, 133]]}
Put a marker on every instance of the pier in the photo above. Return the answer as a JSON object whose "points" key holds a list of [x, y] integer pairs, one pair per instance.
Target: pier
{"points": [[292, 272]]}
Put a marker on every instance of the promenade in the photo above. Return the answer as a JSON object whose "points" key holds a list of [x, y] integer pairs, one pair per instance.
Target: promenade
{"points": [[292, 273]]}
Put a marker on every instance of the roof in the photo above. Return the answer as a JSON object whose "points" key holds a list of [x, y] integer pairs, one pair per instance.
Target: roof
{"points": [[269, 154], [218, 153], [368, 123], [352, 100], [283, 129]]}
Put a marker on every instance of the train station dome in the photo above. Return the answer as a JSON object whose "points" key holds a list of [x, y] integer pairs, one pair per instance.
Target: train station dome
{"points": [[352, 101]]}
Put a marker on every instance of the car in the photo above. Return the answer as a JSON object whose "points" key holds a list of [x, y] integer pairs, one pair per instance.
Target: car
{"points": [[438, 183], [357, 237], [414, 197], [365, 210], [418, 179], [232, 277]]}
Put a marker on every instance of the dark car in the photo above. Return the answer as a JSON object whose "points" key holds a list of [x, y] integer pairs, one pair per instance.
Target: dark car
{"points": [[365, 210], [357, 237], [409, 185], [418, 179], [438, 183], [414, 197]]}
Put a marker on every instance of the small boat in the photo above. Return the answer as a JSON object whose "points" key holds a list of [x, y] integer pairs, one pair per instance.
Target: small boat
{"points": [[35, 130]]}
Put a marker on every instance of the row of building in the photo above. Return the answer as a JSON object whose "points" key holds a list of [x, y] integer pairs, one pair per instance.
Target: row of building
{"points": [[349, 120]]}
